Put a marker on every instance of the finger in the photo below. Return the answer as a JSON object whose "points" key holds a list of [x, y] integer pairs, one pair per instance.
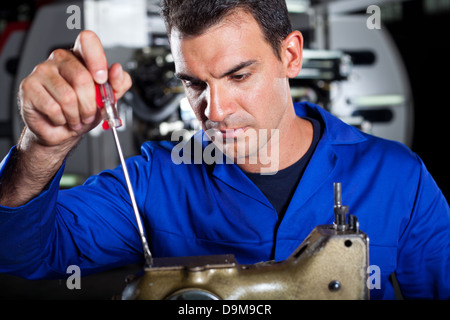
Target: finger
{"points": [[80, 79], [89, 48], [37, 103], [45, 126], [64, 95], [49, 77], [119, 79]]}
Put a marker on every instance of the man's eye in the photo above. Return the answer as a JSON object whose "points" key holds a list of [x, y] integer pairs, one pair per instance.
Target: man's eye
{"points": [[240, 77], [194, 84]]}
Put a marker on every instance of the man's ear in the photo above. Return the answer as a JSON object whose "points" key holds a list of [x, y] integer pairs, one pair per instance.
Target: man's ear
{"points": [[292, 53]]}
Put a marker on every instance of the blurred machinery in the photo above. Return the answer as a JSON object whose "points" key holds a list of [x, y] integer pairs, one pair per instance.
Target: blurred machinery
{"points": [[350, 70]]}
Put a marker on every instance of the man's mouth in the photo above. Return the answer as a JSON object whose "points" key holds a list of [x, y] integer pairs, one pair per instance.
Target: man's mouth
{"points": [[232, 133]]}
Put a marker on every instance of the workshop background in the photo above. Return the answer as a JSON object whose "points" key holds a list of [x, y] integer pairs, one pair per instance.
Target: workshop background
{"points": [[380, 65]]}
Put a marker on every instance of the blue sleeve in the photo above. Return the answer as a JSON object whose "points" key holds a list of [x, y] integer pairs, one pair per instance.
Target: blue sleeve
{"points": [[423, 269], [91, 226]]}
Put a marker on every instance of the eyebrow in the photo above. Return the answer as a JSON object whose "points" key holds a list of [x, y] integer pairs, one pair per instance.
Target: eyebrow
{"points": [[235, 69], [238, 67]]}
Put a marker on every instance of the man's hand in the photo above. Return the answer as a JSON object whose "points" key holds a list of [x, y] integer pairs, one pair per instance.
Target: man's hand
{"points": [[58, 105], [57, 99]]}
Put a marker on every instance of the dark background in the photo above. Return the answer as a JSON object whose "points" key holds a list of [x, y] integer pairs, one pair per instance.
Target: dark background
{"points": [[422, 40]]}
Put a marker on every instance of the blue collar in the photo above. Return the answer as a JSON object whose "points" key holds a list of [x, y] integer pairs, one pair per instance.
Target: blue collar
{"points": [[336, 131]]}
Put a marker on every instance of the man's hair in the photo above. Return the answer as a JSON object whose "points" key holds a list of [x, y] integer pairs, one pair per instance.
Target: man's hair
{"points": [[193, 17]]}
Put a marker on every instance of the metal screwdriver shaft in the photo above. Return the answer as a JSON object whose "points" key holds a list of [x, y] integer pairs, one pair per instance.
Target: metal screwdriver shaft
{"points": [[147, 253], [107, 102]]}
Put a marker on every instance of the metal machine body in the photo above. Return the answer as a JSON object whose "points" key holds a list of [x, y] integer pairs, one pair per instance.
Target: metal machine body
{"points": [[329, 264]]}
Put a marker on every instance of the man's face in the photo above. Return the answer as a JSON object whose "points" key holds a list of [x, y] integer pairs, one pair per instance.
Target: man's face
{"points": [[234, 82]]}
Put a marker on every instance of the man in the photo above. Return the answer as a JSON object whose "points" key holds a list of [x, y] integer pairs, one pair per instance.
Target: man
{"points": [[235, 59]]}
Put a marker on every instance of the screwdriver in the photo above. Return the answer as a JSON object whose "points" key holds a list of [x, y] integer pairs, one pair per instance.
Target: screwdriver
{"points": [[107, 102]]}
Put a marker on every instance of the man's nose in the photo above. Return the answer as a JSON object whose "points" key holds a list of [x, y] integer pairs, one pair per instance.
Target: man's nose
{"points": [[220, 103]]}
